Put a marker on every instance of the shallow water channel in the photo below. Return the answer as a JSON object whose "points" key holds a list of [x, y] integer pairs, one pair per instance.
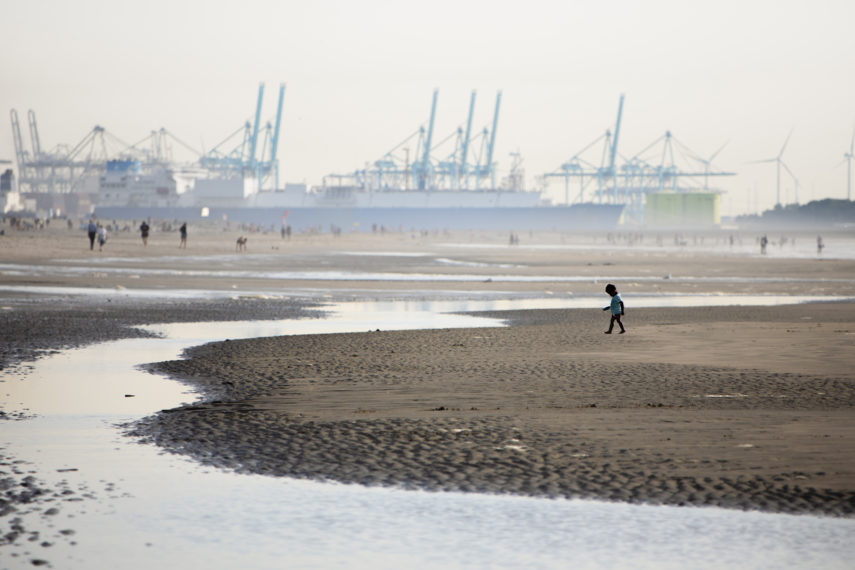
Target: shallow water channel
{"points": [[149, 509]]}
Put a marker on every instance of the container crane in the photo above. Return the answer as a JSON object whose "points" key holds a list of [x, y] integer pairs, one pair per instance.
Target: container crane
{"points": [[20, 153], [425, 168], [453, 171], [34, 135], [614, 145], [665, 165], [254, 139], [274, 147], [464, 156], [243, 159], [492, 144]]}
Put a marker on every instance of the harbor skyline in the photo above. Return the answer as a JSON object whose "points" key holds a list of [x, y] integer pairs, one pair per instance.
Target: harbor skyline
{"points": [[360, 78]]}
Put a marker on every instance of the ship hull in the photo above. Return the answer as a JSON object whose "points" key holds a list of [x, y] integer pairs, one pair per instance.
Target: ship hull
{"points": [[577, 217]]}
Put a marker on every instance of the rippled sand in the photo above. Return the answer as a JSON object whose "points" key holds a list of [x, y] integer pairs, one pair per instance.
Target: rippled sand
{"points": [[748, 408]]}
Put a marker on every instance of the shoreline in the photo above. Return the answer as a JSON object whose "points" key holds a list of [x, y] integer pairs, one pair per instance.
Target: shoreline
{"points": [[467, 410], [34, 327]]}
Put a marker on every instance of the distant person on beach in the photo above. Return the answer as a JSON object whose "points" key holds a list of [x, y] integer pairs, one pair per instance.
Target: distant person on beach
{"points": [[764, 241], [183, 231], [819, 245], [92, 230], [144, 232], [102, 237], [617, 309]]}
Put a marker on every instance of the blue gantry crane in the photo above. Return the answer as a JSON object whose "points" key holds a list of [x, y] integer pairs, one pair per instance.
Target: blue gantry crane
{"points": [[238, 154], [486, 169], [66, 168], [62, 169], [665, 165], [580, 168], [434, 166]]}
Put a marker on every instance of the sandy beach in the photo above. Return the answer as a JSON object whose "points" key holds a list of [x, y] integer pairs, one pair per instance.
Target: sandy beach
{"points": [[747, 408], [552, 409]]}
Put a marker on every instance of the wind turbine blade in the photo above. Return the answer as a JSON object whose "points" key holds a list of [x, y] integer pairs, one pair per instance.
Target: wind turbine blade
{"points": [[721, 148], [795, 180], [787, 168], [842, 162], [780, 154], [764, 160]]}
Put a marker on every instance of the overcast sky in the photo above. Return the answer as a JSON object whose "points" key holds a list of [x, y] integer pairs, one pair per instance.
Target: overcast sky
{"points": [[360, 76]]}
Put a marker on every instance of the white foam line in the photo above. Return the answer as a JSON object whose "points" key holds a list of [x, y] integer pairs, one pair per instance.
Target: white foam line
{"points": [[22, 270]]}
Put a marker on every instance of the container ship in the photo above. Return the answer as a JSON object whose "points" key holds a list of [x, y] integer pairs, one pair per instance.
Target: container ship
{"points": [[349, 208], [447, 185]]}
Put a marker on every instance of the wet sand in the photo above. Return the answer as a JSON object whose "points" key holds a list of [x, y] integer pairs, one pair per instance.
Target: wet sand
{"points": [[544, 264], [747, 408], [554, 409]]}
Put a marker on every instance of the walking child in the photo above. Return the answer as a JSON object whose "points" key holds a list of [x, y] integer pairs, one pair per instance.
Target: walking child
{"points": [[617, 309]]}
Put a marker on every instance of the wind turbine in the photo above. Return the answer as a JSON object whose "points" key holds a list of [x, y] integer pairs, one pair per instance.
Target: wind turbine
{"points": [[848, 158], [781, 163], [707, 162]]}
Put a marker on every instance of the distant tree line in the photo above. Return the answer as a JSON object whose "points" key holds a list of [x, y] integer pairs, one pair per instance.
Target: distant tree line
{"points": [[819, 213]]}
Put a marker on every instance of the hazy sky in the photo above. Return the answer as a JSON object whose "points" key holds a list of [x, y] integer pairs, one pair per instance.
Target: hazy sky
{"points": [[360, 75]]}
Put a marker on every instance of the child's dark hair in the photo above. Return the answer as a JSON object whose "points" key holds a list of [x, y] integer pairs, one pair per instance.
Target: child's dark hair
{"points": [[610, 288]]}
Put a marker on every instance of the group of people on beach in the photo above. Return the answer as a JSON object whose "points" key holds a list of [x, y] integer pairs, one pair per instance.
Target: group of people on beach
{"points": [[98, 231], [764, 243]]}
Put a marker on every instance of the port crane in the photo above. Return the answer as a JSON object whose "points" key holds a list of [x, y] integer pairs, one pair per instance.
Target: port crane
{"points": [[434, 167], [63, 169], [664, 165], [238, 155]]}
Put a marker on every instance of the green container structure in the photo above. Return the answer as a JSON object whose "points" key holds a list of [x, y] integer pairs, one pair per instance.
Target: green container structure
{"points": [[682, 209]]}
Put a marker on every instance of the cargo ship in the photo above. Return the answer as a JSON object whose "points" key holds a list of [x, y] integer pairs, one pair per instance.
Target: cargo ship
{"points": [[349, 208], [432, 189]]}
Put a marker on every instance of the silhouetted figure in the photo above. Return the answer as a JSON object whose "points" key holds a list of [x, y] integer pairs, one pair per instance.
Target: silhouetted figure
{"points": [[616, 307], [819, 245], [764, 241], [183, 231], [102, 237], [144, 229], [92, 230]]}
